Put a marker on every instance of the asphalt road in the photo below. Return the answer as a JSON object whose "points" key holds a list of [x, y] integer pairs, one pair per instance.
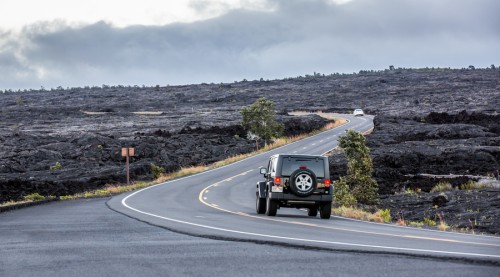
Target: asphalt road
{"points": [[206, 225]]}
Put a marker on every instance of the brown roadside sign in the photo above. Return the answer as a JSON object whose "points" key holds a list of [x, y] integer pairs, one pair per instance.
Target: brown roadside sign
{"points": [[129, 150]]}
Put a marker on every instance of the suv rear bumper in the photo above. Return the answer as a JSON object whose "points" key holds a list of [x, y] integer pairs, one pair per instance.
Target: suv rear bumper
{"points": [[292, 197]]}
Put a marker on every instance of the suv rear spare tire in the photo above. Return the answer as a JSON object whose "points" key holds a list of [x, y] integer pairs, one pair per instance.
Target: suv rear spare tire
{"points": [[303, 182]]}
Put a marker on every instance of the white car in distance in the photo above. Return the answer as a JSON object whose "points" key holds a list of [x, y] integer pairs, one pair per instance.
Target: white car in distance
{"points": [[358, 112]]}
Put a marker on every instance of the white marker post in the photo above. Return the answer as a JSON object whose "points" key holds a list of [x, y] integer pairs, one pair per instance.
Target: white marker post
{"points": [[127, 152]]}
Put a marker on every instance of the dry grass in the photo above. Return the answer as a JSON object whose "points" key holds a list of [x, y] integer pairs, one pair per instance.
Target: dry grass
{"points": [[384, 216], [368, 132], [378, 216], [230, 160], [471, 185], [184, 171], [34, 197], [338, 122], [442, 226], [441, 187], [10, 203], [111, 189], [401, 222], [107, 191]]}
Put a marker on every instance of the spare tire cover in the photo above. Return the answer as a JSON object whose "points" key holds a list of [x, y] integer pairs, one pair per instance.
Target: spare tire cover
{"points": [[303, 182]]}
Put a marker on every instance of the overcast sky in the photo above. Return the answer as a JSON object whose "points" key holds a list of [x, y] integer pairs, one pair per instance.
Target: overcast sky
{"points": [[54, 43]]}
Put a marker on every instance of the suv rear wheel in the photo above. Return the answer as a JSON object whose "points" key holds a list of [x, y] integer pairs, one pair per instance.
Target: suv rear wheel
{"points": [[312, 211], [325, 210]]}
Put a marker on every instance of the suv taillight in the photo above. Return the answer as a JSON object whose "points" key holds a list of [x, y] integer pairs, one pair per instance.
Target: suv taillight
{"points": [[327, 183], [277, 180]]}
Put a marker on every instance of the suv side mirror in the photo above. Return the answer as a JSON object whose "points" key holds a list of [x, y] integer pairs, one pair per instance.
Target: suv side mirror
{"points": [[263, 170]]}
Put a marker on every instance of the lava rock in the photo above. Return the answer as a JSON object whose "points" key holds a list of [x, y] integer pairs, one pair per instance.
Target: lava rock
{"points": [[440, 200], [410, 154]]}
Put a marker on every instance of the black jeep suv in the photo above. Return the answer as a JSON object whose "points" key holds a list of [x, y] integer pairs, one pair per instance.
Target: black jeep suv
{"points": [[295, 181]]}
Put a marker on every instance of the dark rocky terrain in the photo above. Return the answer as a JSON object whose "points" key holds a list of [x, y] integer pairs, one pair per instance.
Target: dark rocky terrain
{"points": [[90, 160], [435, 122], [465, 210], [408, 152]]}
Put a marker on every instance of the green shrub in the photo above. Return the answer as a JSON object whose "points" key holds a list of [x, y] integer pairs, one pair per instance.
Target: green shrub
{"points": [[442, 186], [415, 224], [429, 222], [157, 171], [57, 166], [342, 194], [385, 215], [365, 190], [34, 197]]}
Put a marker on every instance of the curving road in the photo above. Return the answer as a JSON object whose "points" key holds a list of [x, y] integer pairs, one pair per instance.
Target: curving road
{"points": [[221, 204], [213, 216]]}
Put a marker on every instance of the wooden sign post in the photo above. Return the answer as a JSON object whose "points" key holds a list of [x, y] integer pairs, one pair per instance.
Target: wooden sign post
{"points": [[127, 152]]}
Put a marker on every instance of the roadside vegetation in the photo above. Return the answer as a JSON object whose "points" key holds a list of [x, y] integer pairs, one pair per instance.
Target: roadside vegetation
{"points": [[442, 186], [55, 167], [34, 197], [469, 185], [357, 186], [259, 120], [351, 212], [438, 223]]}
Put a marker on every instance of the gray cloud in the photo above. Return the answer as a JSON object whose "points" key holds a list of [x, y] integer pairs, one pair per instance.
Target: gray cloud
{"points": [[298, 37]]}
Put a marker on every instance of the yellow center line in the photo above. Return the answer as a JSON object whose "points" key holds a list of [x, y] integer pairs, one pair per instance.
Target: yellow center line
{"points": [[202, 200], [303, 223]]}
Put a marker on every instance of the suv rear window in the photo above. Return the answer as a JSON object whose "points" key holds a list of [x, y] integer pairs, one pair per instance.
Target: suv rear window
{"points": [[290, 164]]}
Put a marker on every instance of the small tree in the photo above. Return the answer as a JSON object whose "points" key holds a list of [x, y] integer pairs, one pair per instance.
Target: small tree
{"points": [[359, 168], [259, 119]]}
